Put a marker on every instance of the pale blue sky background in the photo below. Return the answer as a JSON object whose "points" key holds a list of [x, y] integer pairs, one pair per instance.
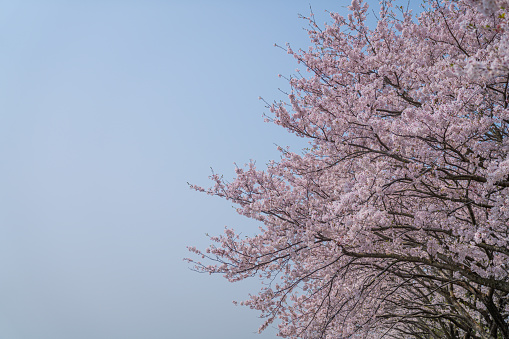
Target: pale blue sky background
{"points": [[107, 109]]}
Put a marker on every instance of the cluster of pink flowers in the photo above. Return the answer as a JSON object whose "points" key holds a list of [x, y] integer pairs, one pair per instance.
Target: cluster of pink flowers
{"points": [[395, 221]]}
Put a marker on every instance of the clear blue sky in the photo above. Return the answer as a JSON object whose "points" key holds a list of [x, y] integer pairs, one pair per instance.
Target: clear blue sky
{"points": [[108, 109]]}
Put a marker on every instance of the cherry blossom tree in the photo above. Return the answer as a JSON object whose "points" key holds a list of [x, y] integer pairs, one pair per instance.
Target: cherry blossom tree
{"points": [[395, 221]]}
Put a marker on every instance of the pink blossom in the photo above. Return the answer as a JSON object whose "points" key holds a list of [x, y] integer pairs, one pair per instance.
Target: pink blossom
{"points": [[395, 221]]}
